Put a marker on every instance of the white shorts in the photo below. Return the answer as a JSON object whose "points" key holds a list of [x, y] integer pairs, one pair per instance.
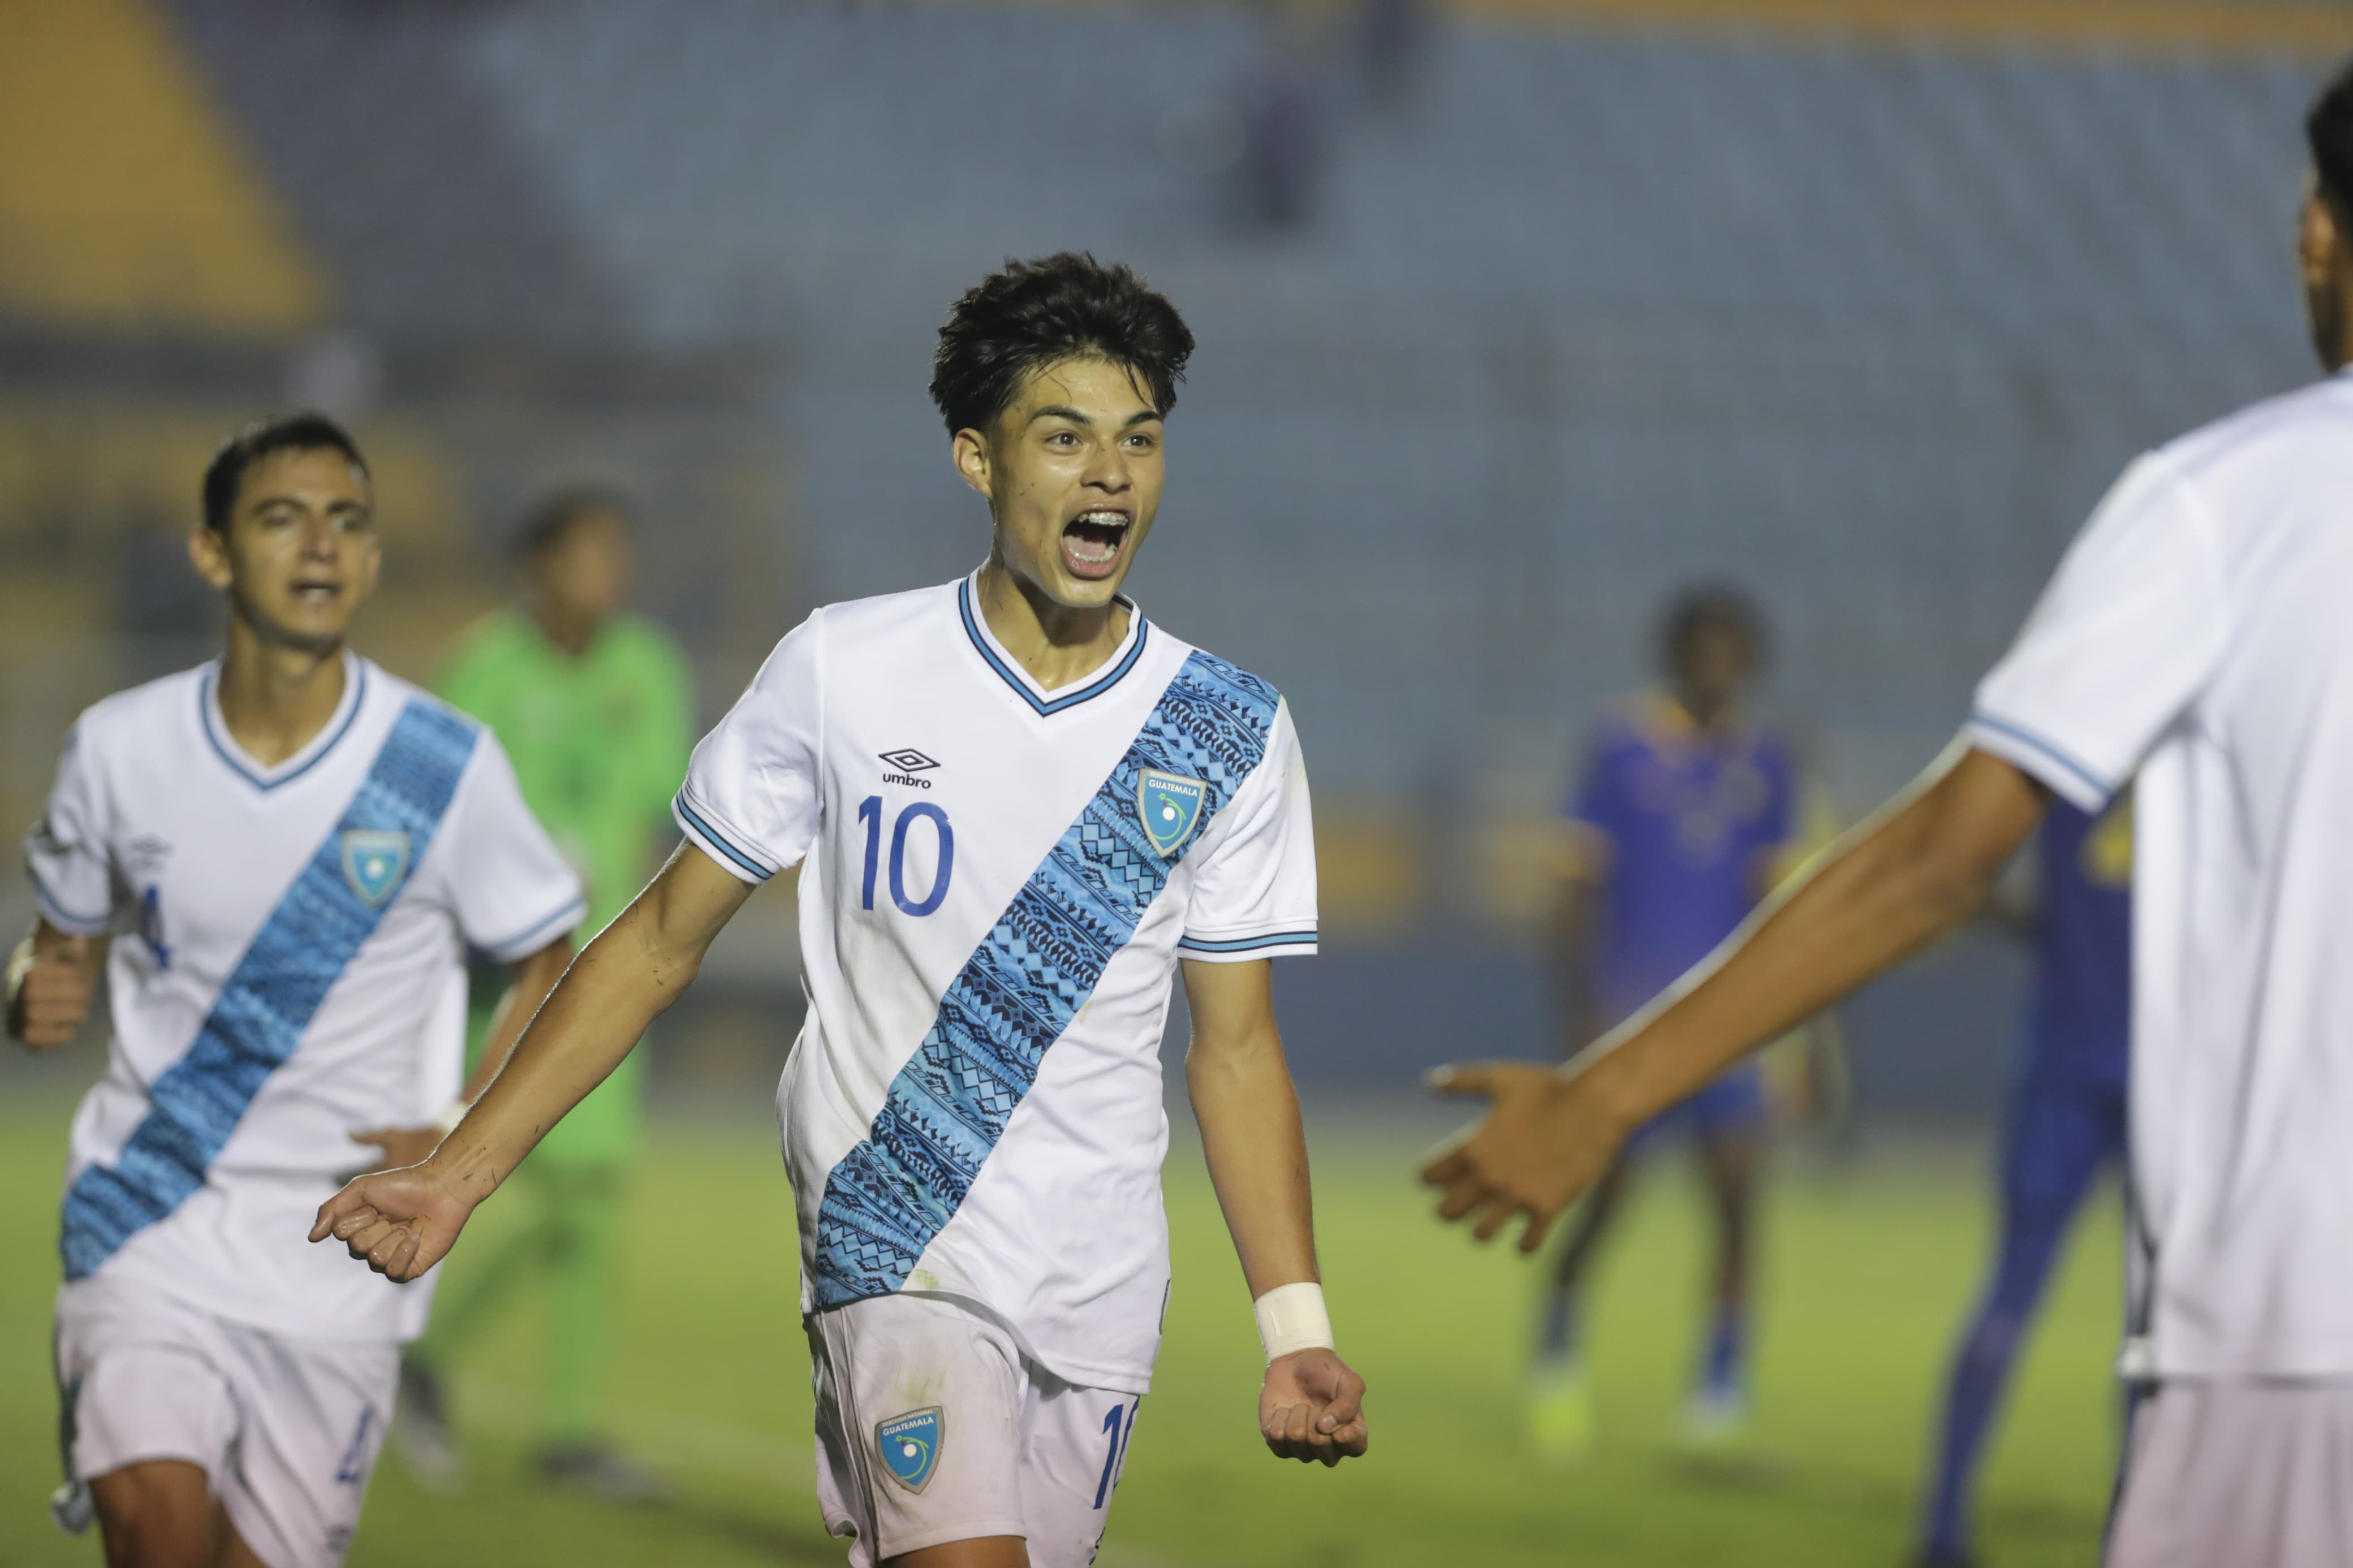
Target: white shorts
{"points": [[286, 1429], [933, 1428], [2239, 1472]]}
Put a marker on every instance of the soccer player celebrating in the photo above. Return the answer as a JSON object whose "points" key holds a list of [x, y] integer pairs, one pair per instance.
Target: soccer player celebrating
{"points": [[278, 860], [1017, 805], [1675, 831], [2195, 640], [2063, 1122], [593, 704]]}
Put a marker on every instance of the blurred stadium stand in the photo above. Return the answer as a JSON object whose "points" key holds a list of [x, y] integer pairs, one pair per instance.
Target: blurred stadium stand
{"points": [[1804, 295]]}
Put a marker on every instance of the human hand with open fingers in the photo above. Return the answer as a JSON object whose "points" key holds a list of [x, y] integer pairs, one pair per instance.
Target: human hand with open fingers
{"points": [[1312, 1407], [50, 991], [1547, 1138], [401, 1146], [399, 1222]]}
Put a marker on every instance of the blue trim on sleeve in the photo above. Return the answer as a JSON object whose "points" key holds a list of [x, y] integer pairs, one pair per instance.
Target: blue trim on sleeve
{"points": [[62, 916], [705, 830], [1250, 943], [230, 755], [2026, 737], [570, 913], [1045, 706]]}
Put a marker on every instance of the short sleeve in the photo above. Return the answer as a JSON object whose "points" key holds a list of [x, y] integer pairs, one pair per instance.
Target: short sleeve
{"points": [[2121, 643], [1254, 886], [500, 873], [750, 801], [65, 854]]}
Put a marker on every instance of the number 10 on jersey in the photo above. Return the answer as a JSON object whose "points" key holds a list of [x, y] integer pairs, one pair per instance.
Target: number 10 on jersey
{"points": [[870, 812]]}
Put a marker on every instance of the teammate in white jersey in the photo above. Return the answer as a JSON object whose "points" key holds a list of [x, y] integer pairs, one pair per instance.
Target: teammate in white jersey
{"points": [[1017, 805], [2196, 638], [277, 860]]}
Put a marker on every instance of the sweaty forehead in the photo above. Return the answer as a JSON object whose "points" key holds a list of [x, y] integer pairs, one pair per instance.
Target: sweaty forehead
{"points": [[1101, 388], [321, 475]]}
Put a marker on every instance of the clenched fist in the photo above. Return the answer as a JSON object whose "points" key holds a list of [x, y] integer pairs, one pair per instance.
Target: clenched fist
{"points": [[49, 995]]}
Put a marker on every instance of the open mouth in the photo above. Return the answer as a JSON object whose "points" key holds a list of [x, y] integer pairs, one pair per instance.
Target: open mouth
{"points": [[1091, 541], [317, 593]]}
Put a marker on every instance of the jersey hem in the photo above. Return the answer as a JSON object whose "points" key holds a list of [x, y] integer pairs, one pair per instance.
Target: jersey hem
{"points": [[739, 863], [2048, 762], [65, 920], [540, 933]]}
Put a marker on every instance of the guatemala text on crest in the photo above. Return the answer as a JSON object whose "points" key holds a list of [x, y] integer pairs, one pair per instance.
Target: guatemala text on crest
{"points": [[910, 1445], [1168, 806]]}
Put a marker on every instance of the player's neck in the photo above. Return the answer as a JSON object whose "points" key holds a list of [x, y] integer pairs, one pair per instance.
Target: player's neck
{"points": [[274, 700], [1056, 644], [569, 631]]}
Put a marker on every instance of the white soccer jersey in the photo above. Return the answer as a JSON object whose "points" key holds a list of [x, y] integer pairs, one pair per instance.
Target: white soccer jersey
{"points": [[287, 969], [2197, 636], [1000, 881]]}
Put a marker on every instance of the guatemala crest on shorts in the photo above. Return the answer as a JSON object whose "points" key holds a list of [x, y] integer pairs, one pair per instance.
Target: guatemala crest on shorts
{"points": [[373, 861], [1168, 806], [910, 1446]]}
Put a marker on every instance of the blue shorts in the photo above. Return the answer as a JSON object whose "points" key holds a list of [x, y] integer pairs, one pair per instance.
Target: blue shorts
{"points": [[1732, 1105]]}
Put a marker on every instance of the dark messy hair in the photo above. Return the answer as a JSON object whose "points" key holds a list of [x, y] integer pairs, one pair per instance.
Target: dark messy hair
{"points": [[1035, 312], [280, 433], [553, 516], [2329, 130], [1704, 607]]}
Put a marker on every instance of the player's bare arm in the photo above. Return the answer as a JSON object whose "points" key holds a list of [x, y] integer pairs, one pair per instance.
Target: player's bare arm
{"points": [[51, 978], [1312, 1405], [404, 1222], [1900, 882], [529, 980]]}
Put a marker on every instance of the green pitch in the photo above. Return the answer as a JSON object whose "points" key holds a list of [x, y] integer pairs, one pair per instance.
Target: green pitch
{"points": [[1867, 1272]]}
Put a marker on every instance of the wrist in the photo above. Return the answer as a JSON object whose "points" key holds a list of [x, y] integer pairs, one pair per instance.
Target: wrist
{"points": [[1292, 1318], [1603, 1083]]}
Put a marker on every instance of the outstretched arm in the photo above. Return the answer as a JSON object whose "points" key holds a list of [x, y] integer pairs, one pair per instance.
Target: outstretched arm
{"points": [[1903, 880], [403, 1221], [1311, 1407]]}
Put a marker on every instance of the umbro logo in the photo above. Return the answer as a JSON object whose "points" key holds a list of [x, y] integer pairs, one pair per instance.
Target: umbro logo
{"points": [[906, 764]]}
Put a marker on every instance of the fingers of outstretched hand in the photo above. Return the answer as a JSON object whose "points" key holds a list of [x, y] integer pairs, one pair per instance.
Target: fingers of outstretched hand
{"points": [[1462, 1077], [1465, 1194]]}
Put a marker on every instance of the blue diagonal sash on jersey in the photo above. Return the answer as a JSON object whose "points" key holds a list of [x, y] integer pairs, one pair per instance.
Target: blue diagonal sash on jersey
{"points": [[270, 998], [1027, 979]]}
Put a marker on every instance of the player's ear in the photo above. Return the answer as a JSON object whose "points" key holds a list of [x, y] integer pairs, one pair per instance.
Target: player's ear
{"points": [[208, 550], [969, 450]]}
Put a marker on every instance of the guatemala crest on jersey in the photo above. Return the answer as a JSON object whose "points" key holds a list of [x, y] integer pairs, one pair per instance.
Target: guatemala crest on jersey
{"points": [[374, 860], [910, 1445], [1168, 804]]}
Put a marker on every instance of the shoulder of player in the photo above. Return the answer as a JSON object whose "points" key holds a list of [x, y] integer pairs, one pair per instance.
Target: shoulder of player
{"points": [[389, 696], [130, 717], [491, 637], [1179, 658], [2308, 424]]}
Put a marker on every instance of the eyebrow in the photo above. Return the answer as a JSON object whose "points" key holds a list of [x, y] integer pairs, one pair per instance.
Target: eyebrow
{"points": [[342, 503], [1062, 411]]}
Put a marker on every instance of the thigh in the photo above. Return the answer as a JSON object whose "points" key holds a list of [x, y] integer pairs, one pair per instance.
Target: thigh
{"points": [[919, 1420], [1074, 1443], [139, 1379], [2058, 1130], [316, 1413]]}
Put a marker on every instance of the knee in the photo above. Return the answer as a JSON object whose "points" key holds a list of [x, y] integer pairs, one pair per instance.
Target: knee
{"points": [[156, 1516]]}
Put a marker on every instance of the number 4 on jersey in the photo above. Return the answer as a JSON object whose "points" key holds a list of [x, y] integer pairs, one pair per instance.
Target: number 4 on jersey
{"points": [[870, 812]]}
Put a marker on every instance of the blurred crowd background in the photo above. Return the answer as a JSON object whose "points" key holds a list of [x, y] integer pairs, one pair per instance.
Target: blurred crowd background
{"points": [[1515, 316]]}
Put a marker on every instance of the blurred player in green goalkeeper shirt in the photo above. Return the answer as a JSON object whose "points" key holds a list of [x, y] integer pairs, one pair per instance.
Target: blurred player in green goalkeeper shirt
{"points": [[593, 705]]}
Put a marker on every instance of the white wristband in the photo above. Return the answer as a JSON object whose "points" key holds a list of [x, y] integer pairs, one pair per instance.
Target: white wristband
{"points": [[1290, 1318], [451, 1117]]}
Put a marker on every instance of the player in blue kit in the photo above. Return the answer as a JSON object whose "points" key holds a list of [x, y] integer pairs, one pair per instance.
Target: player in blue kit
{"points": [[2063, 1125], [1018, 808], [1674, 833]]}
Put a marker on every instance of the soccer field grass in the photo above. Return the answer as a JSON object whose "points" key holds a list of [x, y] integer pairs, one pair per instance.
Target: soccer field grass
{"points": [[1867, 1268]]}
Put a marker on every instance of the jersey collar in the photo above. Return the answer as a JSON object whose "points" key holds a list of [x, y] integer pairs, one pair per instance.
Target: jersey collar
{"points": [[1047, 703], [337, 725]]}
